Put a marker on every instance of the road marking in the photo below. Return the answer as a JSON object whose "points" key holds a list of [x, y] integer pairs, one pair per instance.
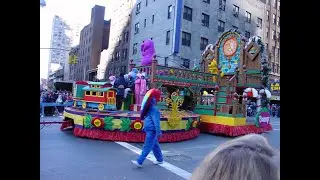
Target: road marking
{"points": [[176, 170]]}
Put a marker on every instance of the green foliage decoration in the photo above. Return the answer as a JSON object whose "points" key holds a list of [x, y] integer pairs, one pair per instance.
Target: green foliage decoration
{"points": [[125, 124]]}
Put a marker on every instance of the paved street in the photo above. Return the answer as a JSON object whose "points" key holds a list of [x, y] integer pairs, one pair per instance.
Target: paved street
{"points": [[66, 157]]}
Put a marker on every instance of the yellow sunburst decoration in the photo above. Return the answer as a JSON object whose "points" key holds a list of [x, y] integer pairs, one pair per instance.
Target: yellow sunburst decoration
{"points": [[84, 104], [101, 107], [174, 116], [74, 103]]}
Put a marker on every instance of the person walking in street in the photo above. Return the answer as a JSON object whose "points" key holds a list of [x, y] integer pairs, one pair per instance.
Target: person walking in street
{"points": [[151, 116]]}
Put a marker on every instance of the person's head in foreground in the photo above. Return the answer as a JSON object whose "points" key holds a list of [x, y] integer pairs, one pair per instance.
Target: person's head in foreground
{"points": [[248, 157]]}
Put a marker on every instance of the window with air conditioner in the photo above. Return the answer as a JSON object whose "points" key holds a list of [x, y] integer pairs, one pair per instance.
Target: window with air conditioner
{"points": [[235, 11], [248, 17], [136, 28], [138, 8], [259, 22], [169, 11], [206, 1], [273, 18], [186, 63]]}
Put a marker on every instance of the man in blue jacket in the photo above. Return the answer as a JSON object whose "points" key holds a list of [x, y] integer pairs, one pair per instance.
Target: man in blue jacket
{"points": [[152, 129]]}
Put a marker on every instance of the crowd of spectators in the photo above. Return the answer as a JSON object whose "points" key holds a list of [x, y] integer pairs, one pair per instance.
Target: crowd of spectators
{"points": [[55, 96], [60, 97]]}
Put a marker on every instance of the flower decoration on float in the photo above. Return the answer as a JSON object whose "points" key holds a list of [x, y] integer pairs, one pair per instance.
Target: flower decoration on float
{"points": [[101, 107], [195, 124], [97, 122], [137, 125]]}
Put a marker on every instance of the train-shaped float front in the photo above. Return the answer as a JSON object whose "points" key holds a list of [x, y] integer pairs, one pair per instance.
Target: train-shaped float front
{"points": [[210, 98]]}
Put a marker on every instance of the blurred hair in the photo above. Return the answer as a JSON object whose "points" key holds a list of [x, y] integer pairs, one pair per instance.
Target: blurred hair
{"points": [[248, 157]]}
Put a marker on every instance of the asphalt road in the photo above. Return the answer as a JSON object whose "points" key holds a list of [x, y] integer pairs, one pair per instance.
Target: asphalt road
{"points": [[66, 157]]}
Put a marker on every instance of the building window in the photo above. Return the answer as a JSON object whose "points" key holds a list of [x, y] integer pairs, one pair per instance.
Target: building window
{"points": [[126, 37], [247, 34], [145, 23], [205, 20], [166, 61], [186, 63], [267, 47], [124, 54], [277, 52], [187, 13], [203, 43], [235, 10], [248, 17], [222, 5], [221, 26], [138, 8], [274, 3], [206, 1], [273, 34], [279, 5], [273, 67], [168, 38], [152, 19], [136, 28], [135, 49], [169, 11], [123, 69], [278, 36], [186, 39], [267, 31], [273, 51], [273, 18], [146, 3], [259, 22], [235, 27], [278, 21], [268, 15], [118, 56]]}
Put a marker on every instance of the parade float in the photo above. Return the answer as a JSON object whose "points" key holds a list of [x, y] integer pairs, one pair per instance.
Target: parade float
{"points": [[242, 71], [94, 114], [211, 97]]}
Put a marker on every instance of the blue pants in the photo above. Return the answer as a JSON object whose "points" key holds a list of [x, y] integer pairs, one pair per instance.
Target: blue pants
{"points": [[150, 143]]}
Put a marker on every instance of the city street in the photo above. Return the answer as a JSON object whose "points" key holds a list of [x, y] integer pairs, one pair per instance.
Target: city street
{"points": [[64, 156]]}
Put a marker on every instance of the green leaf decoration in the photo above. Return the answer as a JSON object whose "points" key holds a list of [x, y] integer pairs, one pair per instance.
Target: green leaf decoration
{"points": [[108, 123], [125, 124], [87, 121], [188, 125]]}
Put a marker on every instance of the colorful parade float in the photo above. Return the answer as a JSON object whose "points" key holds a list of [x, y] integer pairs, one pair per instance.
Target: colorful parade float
{"points": [[242, 71], [212, 97]]}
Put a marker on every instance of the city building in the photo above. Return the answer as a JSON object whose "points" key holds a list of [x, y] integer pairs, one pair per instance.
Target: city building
{"points": [[272, 41], [181, 29], [117, 55], [94, 38], [60, 44]]}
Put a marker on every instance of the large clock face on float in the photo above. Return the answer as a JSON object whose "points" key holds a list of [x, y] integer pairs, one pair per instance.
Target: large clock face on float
{"points": [[230, 47]]}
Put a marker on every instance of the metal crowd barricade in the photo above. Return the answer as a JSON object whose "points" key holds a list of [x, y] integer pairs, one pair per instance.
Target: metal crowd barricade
{"points": [[55, 105]]}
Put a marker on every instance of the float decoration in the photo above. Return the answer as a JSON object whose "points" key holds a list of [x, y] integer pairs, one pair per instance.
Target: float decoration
{"points": [[263, 118], [87, 121], [125, 124], [175, 101], [137, 125], [108, 123], [97, 122]]}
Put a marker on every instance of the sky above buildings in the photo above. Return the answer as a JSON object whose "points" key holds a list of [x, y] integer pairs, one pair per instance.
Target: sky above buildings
{"points": [[73, 11]]}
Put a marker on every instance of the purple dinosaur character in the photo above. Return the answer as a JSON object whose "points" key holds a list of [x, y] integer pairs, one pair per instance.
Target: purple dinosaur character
{"points": [[147, 51]]}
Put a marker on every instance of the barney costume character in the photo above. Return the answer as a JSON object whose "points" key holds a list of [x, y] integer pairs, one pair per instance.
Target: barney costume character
{"points": [[151, 116], [147, 51]]}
